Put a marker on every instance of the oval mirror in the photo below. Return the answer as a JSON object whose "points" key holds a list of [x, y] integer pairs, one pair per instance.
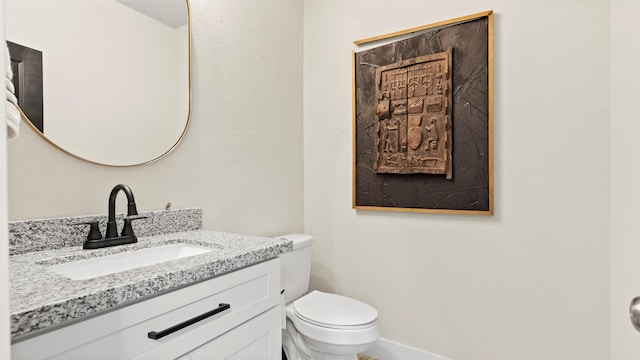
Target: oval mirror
{"points": [[114, 79]]}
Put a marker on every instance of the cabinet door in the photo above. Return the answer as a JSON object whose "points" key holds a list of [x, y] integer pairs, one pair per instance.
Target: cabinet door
{"points": [[257, 339]]}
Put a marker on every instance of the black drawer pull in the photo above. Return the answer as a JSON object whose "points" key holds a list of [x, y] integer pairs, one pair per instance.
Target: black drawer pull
{"points": [[155, 335]]}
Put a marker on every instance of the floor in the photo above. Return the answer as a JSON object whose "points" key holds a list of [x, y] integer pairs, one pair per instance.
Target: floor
{"points": [[360, 357], [365, 357]]}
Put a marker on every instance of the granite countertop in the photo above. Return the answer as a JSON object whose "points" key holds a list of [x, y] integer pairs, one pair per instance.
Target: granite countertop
{"points": [[40, 298]]}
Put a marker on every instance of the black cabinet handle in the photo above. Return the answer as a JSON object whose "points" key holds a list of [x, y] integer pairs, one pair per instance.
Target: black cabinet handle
{"points": [[155, 335]]}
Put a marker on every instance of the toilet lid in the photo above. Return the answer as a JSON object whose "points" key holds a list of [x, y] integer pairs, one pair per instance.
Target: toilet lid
{"points": [[331, 310]]}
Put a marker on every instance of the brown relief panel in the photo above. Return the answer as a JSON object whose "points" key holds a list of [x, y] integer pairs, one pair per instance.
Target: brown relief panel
{"points": [[413, 116]]}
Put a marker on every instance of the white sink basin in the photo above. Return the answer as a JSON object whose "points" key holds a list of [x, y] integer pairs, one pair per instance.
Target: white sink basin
{"points": [[110, 264]]}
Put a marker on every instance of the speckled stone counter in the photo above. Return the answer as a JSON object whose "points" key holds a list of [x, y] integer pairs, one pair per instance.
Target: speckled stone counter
{"points": [[41, 299]]}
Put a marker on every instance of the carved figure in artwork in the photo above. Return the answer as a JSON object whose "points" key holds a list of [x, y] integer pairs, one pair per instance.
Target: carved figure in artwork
{"points": [[391, 138], [382, 110], [432, 135], [440, 75], [415, 132]]}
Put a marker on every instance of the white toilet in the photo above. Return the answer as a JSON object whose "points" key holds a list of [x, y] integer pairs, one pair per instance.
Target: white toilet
{"points": [[321, 326]]}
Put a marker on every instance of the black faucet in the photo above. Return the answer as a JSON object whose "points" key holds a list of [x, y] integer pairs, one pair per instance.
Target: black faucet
{"points": [[112, 230], [111, 237]]}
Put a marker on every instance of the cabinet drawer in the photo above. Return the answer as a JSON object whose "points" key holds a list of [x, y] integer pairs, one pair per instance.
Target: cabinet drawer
{"points": [[123, 333], [259, 339]]}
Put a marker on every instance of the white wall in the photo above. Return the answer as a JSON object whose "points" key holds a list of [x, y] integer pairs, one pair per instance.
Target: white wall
{"points": [[242, 158], [531, 282], [625, 176]]}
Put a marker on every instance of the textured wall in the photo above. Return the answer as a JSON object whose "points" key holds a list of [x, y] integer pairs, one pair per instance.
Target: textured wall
{"points": [[532, 281], [241, 161]]}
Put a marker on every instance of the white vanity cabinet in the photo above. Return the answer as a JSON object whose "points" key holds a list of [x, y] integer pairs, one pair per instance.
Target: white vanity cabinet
{"points": [[234, 316]]}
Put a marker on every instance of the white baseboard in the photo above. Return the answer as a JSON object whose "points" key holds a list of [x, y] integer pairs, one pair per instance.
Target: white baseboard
{"points": [[391, 350]]}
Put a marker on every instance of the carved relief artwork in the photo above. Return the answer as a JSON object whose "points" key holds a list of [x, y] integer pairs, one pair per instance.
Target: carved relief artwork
{"points": [[413, 116]]}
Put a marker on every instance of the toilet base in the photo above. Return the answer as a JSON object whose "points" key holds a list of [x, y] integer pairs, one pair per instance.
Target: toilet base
{"points": [[293, 346], [324, 351], [317, 356], [296, 346]]}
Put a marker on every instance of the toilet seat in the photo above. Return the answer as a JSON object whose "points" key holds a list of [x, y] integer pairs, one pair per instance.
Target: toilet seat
{"points": [[334, 311], [334, 319]]}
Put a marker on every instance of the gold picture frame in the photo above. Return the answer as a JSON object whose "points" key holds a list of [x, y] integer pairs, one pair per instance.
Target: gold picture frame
{"points": [[423, 119]]}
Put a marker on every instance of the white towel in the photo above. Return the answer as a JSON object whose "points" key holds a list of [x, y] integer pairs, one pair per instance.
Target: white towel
{"points": [[13, 113]]}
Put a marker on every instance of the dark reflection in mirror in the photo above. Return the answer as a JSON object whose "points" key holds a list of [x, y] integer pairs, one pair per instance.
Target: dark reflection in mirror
{"points": [[26, 64]]}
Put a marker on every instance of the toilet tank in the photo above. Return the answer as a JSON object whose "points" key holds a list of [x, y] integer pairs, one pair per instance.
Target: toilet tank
{"points": [[296, 267]]}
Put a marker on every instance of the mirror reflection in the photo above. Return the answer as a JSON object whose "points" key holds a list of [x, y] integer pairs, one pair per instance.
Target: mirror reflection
{"points": [[115, 74]]}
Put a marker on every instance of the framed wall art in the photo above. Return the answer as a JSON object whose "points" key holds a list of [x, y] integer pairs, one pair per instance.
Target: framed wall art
{"points": [[423, 118]]}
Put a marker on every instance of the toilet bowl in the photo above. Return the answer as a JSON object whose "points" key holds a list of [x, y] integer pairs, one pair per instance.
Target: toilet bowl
{"points": [[320, 325], [329, 326]]}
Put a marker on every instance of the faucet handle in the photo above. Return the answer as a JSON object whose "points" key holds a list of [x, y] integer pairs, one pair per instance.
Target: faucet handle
{"points": [[94, 231], [127, 229]]}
